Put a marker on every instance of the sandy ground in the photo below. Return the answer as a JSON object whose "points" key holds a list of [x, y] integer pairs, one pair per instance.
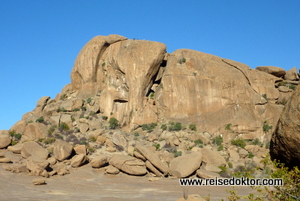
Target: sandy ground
{"points": [[86, 183]]}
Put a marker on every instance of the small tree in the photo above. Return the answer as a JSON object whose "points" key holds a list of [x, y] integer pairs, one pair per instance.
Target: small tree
{"points": [[113, 123]]}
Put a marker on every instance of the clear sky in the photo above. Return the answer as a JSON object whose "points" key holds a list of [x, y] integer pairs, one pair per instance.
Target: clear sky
{"points": [[41, 39]]}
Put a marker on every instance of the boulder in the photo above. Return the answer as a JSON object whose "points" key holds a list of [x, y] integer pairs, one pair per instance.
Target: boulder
{"points": [[111, 170], [38, 181], [36, 165], [292, 75], [99, 161], [184, 166], [285, 141], [35, 130], [207, 174], [62, 150], [234, 156], [128, 164], [72, 104], [78, 160], [273, 70], [42, 102], [80, 149], [32, 148], [5, 139], [153, 169], [5, 160], [16, 148], [19, 127], [153, 158], [118, 139], [212, 160]]}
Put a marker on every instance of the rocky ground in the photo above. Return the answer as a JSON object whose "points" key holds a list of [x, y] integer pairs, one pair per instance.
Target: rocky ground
{"points": [[87, 183]]}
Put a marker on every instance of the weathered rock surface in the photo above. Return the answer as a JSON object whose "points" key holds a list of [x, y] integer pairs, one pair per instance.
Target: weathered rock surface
{"points": [[78, 160], [153, 158], [62, 150], [292, 74], [212, 160], [128, 164], [5, 139], [99, 161], [32, 148], [286, 138], [35, 131], [273, 70], [206, 174], [184, 166]]}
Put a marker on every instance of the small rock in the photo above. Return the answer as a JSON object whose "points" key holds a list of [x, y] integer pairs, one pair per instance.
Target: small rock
{"points": [[112, 170], [5, 160], [99, 161], [16, 149], [101, 140], [78, 160], [38, 181]]}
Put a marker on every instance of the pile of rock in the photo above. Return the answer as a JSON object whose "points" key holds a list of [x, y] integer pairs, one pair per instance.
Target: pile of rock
{"points": [[120, 152]]}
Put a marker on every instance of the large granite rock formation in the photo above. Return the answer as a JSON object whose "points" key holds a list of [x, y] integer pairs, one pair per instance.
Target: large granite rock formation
{"points": [[137, 82]]}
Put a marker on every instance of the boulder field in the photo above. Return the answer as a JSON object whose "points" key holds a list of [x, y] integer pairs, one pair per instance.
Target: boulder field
{"points": [[133, 108]]}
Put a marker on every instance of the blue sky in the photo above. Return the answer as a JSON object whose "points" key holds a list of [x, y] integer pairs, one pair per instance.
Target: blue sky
{"points": [[41, 39]]}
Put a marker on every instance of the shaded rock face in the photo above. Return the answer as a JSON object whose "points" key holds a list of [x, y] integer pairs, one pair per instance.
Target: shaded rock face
{"points": [[286, 138]]}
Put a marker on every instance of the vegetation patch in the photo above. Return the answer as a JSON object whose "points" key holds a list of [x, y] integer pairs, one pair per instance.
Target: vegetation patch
{"points": [[239, 143], [113, 123]]}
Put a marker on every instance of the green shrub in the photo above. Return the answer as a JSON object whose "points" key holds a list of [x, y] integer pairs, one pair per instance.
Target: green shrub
{"points": [[89, 100], [220, 147], [265, 96], [113, 123], [63, 126], [163, 127], [177, 153], [12, 133], [193, 127], [49, 140], [266, 127], [76, 110], [104, 118], [63, 97], [18, 136], [151, 96], [293, 87], [157, 146], [250, 155], [228, 126], [239, 142], [51, 129], [182, 60], [198, 142], [149, 126], [175, 126], [217, 140], [136, 134], [40, 119], [268, 145], [257, 142], [61, 109], [230, 165], [92, 139]]}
